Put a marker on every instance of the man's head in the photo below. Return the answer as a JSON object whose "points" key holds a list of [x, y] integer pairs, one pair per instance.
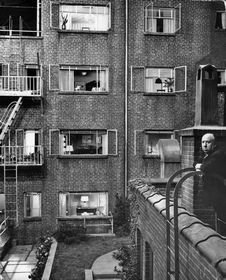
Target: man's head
{"points": [[208, 142]]}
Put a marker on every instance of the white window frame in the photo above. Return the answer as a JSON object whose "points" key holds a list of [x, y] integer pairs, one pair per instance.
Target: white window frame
{"points": [[73, 88], [141, 79], [56, 20], [30, 196], [82, 204], [55, 135], [175, 15]]}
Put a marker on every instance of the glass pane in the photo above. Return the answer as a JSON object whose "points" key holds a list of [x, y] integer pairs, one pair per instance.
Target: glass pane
{"points": [[151, 147], [82, 204], [166, 13]]}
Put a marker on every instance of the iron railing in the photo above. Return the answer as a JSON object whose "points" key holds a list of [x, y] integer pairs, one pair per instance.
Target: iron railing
{"points": [[21, 85], [21, 155]]}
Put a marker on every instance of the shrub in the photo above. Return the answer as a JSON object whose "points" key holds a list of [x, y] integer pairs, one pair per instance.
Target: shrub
{"points": [[127, 257], [121, 216], [42, 254]]}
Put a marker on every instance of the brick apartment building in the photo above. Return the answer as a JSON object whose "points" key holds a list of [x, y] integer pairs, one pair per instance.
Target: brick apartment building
{"points": [[87, 89]]}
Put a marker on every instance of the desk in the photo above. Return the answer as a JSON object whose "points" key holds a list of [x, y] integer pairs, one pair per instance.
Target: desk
{"points": [[88, 210]]}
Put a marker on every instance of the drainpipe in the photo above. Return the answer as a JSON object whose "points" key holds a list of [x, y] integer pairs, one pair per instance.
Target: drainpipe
{"points": [[126, 100]]}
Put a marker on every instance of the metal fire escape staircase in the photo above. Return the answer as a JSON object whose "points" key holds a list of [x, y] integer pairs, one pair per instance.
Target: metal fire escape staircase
{"points": [[10, 162], [8, 117]]}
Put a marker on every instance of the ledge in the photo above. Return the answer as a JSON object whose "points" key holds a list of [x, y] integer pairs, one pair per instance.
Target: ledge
{"points": [[82, 156], [32, 219], [49, 264], [84, 217], [75, 93], [83, 31]]}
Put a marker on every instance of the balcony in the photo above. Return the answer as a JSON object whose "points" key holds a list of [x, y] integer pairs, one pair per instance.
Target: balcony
{"points": [[30, 86], [21, 155]]}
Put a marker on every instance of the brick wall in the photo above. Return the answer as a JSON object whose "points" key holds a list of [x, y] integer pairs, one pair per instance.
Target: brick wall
{"points": [[201, 249]]}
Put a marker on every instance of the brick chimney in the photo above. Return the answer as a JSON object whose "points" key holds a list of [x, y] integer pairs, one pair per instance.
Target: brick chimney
{"points": [[206, 119]]}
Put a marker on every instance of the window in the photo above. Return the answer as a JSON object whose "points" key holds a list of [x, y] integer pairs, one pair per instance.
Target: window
{"points": [[32, 205], [159, 79], [20, 18], [83, 204], [151, 141], [220, 20], [148, 262], [162, 20], [80, 17], [86, 78], [83, 142], [221, 77]]}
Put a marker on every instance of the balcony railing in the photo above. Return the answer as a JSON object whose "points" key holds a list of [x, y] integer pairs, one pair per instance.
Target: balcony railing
{"points": [[21, 155], [20, 86]]}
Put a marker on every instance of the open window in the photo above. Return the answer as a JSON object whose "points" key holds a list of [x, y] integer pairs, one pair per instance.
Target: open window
{"points": [[162, 20], [80, 17], [32, 205], [159, 79], [220, 22], [83, 204], [151, 141], [83, 142], [29, 146], [221, 77], [83, 78], [20, 18]]}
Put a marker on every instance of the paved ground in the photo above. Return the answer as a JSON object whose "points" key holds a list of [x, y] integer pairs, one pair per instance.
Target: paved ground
{"points": [[105, 266], [18, 263]]}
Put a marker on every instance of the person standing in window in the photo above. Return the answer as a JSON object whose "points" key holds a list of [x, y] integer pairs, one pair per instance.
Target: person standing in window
{"points": [[213, 165]]}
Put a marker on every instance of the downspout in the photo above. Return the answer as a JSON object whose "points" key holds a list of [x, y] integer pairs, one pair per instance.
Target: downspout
{"points": [[126, 101]]}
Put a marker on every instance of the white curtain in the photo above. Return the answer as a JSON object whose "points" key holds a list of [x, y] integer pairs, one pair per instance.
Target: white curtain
{"points": [[66, 80], [62, 202]]}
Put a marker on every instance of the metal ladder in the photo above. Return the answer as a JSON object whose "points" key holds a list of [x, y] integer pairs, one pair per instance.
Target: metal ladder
{"points": [[175, 274], [11, 191], [8, 117]]}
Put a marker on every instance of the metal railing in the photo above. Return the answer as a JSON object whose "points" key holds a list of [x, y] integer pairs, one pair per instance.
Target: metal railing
{"points": [[21, 85], [5, 31], [191, 172], [21, 155]]}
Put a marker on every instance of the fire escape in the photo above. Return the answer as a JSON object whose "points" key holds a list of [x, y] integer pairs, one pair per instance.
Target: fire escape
{"points": [[15, 87]]}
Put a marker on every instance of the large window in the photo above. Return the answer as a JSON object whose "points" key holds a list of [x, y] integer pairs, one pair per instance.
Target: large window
{"points": [[83, 142], [20, 18], [86, 78], [158, 79], [32, 205], [80, 17], [83, 204], [220, 20], [162, 20]]}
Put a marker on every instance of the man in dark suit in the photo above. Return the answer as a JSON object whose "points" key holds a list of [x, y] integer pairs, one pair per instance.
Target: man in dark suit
{"points": [[213, 165]]}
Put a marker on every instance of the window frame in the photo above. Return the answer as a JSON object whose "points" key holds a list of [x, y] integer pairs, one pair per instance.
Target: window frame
{"points": [[56, 22], [65, 197], [55, 143], [29, 195], [138, 79], [176, 18], [222, 23], [71, 87], [155, 132], [223, 71]]}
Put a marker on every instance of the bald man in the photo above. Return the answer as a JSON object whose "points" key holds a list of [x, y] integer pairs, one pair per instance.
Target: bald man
{"points": [[213, 165]]}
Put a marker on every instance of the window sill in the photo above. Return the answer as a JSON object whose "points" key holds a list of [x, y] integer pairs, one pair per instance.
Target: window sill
{"points": [[82, 156], [220, 30], [22, 37], [159, 93], [32, 219], [83, 31], [151, 156], [159, 34], [83, 93], [71, 218]]}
